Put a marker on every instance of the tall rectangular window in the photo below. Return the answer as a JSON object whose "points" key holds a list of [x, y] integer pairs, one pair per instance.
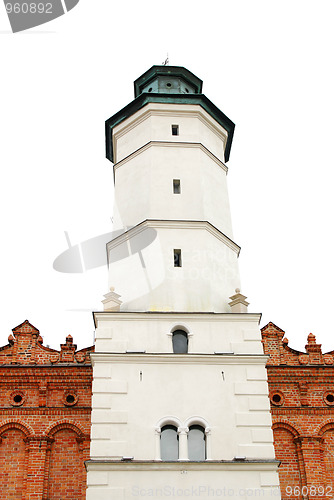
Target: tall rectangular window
{"points": [[176, 186], [177, 258], [175, 130]]}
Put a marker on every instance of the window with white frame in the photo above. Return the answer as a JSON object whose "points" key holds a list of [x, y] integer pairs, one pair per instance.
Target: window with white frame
{"points": [[190, 440], [169, 443], [180, 342], [196, 443]]}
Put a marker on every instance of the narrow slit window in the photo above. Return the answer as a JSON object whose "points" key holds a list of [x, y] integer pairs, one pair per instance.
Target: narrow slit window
{"points": [[175, 130], [176, 186], [177, 258]]}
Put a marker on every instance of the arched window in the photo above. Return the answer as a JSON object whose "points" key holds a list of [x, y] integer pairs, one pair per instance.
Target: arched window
{"points": [[196, 443], [180, 342], [169, 443]]}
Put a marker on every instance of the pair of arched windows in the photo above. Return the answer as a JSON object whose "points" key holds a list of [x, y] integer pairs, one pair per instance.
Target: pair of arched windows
{"points": [[180, 342], [196, 443]]}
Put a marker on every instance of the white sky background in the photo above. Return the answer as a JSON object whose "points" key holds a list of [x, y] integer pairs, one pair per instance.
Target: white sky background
{"points": [[267, 65]]}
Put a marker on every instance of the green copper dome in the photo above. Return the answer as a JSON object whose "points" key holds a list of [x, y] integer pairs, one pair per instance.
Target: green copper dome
{"points": [[170, 85], [168, 80]]}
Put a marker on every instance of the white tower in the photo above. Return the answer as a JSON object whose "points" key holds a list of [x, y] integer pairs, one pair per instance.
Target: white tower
{"points": [[180, 405]]}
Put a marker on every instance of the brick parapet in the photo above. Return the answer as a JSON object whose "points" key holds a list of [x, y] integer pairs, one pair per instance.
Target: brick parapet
{"points": [[301, 391], [45, 414]]}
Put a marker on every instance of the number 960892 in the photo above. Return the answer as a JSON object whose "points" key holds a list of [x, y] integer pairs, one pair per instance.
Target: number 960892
{"points": [[29, 8], [311, 491]]}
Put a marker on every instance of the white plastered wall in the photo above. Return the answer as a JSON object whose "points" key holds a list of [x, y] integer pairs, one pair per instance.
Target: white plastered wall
{"points": [[153, 123], [138, 381], [144, 186], [139, 384], [141, 267]]}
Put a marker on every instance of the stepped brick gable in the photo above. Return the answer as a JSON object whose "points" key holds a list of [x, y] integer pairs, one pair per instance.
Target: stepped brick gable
{"points": [[301, 391], [45, 408]]}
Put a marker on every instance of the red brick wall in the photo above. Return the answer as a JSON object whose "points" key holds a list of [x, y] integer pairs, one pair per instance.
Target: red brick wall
{"points": [[328, 437], [301, 390], [44, 437], [65, 477], [286, 452], [12, 464]]}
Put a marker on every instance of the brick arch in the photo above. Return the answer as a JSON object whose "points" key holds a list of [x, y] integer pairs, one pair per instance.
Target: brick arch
{"points": [[17, 424], [14, 457], [322, 428], [288, 427], [65, 424], [287, 451], [66, 451], [326, 434]]}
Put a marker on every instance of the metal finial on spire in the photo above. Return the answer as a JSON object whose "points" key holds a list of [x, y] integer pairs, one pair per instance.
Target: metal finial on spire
{"points": [[166, 62]]}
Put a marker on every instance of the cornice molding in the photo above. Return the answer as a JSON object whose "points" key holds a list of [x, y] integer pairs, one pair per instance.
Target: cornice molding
{"points": [[295, 410], [170, 109], [167, 99], [209, 465], [171, 144], [35, 367], [309, 374], [173, 224], [180, 359], [57, 411], [176, 316]]}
